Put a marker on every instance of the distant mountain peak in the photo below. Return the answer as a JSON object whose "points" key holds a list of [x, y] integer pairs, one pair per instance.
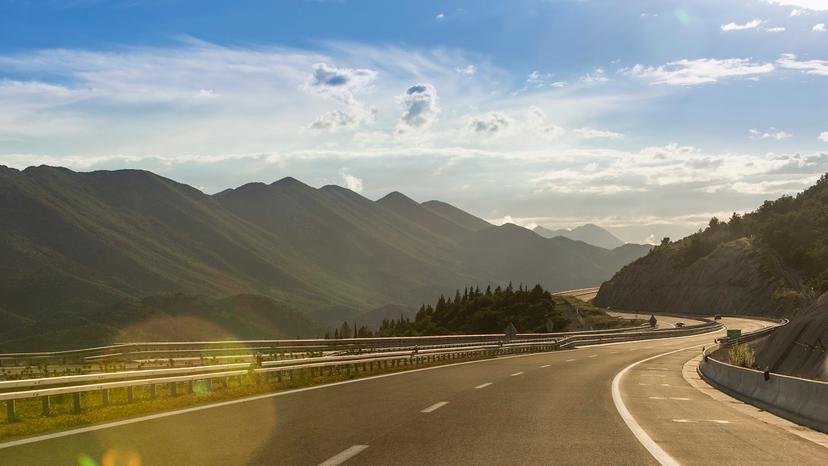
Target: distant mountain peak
{"points": [[588, 233], [289, 181], [397, 198]]}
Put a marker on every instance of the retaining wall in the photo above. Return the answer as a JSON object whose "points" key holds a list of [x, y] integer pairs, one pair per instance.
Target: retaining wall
{"points": [[800, 400]]}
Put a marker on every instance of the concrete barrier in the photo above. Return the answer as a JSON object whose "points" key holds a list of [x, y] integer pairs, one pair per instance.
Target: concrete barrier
{"points": [[803, 401]]}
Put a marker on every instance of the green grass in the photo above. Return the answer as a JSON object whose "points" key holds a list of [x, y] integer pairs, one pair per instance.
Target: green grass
{"points": [[30, 421]]}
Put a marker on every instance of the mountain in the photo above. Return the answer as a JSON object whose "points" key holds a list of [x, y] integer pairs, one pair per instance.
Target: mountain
{"points": [[80, 253], [773, 261], [589, 233]]}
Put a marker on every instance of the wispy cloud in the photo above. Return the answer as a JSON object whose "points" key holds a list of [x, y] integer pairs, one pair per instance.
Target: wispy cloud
{"points": [[741, 27], [699, 71]]}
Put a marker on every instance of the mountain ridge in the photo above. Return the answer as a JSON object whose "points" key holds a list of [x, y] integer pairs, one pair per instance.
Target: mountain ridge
{"points": [[77, 243]]}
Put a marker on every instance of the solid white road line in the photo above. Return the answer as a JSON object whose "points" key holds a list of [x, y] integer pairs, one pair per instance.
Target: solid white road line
{"points": [[344, 456], [545, 366], [483, 385], [516, 373], [569, 360], [434, 407], [658, 453], [669, 398]]}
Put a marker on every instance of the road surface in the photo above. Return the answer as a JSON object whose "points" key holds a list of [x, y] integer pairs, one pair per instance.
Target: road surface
{"points": [[550, 408]]}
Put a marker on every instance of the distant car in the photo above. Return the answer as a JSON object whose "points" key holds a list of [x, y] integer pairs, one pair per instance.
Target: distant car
{"points": [[679, 324], [717, 317]]}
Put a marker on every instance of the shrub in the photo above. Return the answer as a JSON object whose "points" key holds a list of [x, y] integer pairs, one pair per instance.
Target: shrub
{"points": [[742, 356]]}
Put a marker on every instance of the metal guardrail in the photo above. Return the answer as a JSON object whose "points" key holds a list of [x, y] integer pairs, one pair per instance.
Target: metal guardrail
{"points": [[36, 388]]}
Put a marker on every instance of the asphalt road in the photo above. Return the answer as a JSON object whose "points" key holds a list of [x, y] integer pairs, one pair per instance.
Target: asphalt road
{"points": [[550, 408]]}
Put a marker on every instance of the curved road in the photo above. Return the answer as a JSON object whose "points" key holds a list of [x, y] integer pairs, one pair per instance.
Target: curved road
{"points": [[549, 408]]}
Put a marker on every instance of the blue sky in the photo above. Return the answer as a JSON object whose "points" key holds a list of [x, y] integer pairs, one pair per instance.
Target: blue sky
{"points": [[647, 117]]}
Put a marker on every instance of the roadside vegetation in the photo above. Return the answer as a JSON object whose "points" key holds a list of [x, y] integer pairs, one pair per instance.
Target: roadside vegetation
{"points": [[742, 356]]}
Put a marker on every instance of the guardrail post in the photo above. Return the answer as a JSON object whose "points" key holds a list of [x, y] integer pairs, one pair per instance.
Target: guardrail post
{"points": [[209, 385], [105, 397], [10, 412], [130, 394], [173, 389], [279, 376], [76, 398], [190, 387], [152, 391], [46, 406]]}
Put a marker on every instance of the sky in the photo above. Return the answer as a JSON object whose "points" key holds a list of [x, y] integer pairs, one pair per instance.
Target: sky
{"points": [[645, 117]]}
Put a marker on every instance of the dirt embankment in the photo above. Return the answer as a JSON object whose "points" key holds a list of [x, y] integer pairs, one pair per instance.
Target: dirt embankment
{"points": [[732, 279]]}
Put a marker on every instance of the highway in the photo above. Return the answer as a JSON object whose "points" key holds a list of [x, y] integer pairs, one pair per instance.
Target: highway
{"points": [[548, 408]]}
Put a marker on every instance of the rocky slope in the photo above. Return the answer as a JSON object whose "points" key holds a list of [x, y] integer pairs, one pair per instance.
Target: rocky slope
{"points": [[800, 348], [730, 280]]}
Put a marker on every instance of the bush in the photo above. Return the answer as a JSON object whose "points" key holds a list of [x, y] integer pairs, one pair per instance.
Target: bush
{"points": [[742, 356]]}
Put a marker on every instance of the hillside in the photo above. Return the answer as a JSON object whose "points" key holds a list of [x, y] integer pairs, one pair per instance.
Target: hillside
{"points": [[77, 248], [801, 347], [589, 233], [772, 261]]}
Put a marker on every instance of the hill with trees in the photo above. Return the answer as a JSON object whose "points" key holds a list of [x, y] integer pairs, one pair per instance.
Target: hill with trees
{"points": [[476, 311], [771, 261]]}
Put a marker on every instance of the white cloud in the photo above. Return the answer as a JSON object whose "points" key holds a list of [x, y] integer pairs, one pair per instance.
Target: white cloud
{"points": [[774, 29], [798, 12], [440, 16], [823, 136], [817, 67], [590, 133], [700, 71], [819, 27], [816, 5], [489, 124], [771, 133], [338, 119], [534, 79], [351, 182], [468, 70], [597, 76], [339, 83], [740, 27], [420, 108]]}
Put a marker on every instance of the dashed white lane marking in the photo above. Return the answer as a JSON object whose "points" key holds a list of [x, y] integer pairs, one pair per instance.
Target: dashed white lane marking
{"points": [[483, 385], [688, 421], [516, 373], [434, 407], [613, 352], [545, 366], [569, 360], [344, 456], [676, 398], [593, 356]]}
